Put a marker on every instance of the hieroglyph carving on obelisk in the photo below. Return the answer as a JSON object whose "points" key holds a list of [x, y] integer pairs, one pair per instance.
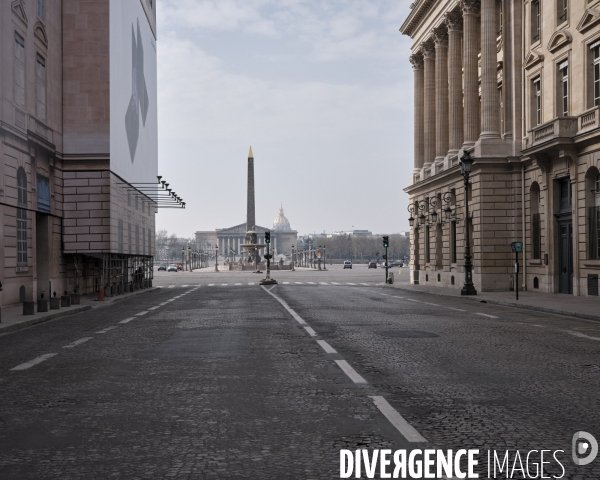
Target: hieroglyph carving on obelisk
{"points": [[250, 213]]}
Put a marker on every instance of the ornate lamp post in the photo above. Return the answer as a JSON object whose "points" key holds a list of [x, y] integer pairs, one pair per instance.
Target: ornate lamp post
{"points": [[466, 162], [293, 260], [216, 259]]}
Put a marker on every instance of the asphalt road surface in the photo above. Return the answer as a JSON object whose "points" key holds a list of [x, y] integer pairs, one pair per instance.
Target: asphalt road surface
{"points": [[213, 376]]}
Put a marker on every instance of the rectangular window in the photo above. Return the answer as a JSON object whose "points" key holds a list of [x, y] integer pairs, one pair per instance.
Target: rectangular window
{"points": [[42, 9], [537, 102], [535, 20], [563, 11], [21, 237], [143, 241], [130, 239], [40, 73], [149, 242], [564, 88], [596, 69], [137, 239], [19, 70], [120, 235]]}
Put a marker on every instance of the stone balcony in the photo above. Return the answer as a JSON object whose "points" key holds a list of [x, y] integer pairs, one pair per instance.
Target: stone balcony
{"points": [[589, 120], [560, 128]]}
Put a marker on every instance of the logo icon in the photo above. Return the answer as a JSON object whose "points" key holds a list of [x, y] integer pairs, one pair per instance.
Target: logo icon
{"points": [[585, 448]]}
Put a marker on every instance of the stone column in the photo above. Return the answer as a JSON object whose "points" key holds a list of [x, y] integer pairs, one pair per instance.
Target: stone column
{"points": [[471, 129], [441, 94], [455, 104], [490, 103], [429, 116], [419, 125]]}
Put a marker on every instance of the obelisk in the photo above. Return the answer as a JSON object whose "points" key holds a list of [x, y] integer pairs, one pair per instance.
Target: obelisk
{"points": [[250, 213]]}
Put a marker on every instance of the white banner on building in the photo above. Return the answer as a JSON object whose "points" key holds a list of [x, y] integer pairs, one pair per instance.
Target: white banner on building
{"points": [[133, 97]]}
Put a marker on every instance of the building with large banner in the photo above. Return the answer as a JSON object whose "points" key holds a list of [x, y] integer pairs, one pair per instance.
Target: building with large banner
{"points": [[517, 86], [78, 126]]}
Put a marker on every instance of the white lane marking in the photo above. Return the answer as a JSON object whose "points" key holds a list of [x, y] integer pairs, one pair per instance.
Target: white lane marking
{"points": [[396, 296], [154, 308], [429, 303], [298, 283], [251, 284], [163, 304], [184, 286], [78, 342], [582, 335], [334, 283], [286, 283], [310, 331], [127, 320], [486, 315], [348, 370], [365, 284], [397, 420], [325, 346], [141, 313], [323, 283], [456, 309], [311, 283], [351, 284], [237, 283], [35, 361], [413, 300], [159, 286], [211, 284], [297, 317], [224, 284], [107, 329], [171, 286]]}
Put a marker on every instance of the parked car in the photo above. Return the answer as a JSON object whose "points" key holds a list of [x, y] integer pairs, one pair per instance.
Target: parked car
{"points": [[172, 268], [372, 265], [347, 264], [162, 267], [396, 264]]}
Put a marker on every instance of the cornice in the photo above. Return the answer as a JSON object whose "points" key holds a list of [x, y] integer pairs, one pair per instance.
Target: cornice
{"points": [[420, 9]]}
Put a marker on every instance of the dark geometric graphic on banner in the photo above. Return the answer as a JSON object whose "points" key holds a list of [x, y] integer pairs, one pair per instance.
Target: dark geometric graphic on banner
{"points": [[139, 93]]}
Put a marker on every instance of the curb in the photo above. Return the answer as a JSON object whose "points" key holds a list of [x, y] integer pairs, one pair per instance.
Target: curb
{"points": [[594, 318], [65, 313], [36, 321]]}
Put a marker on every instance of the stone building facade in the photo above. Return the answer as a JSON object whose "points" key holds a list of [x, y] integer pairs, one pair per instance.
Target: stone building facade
{"points": [[516, 84], [68, 220]]}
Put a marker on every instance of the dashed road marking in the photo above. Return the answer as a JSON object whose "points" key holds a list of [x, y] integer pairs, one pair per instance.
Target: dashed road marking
{"points": [[310, 331], [298, 283], [311, 283], [107, 329], [154, 308], [286, 283], [456, 309], [35, 361], [397, 420], [348, 370], [351, 284], [224, 284], [323, 283], [582, 335], [237, 283], [486, 315], [127, 320], [334, 283], [171, 286], [184, 286], [78, 342], [365, 284], [251, 283], [325, 346], [211, 284], [141, 313], [297, 317]]}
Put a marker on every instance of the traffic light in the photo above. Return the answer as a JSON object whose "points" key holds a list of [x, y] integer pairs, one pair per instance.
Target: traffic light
{"points": [[386, 241], [267, 237]]}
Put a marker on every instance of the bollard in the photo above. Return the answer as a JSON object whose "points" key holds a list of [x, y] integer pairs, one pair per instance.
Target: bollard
{"points": [[390, 278], [54, 303], [42, 305], [75, 299], [28, 308], [65, 301], [101, 293]]}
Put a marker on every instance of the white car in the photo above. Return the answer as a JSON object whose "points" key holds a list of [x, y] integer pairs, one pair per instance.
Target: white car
{"points": [[172, 268], [347, 264]]}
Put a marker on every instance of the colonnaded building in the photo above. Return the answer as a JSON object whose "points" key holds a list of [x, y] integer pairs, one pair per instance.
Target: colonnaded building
{"points": [[78, 127], [517, 84], [229, 239]]}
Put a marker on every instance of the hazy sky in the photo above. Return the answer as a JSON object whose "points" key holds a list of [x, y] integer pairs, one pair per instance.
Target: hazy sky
{"points": [[322, 90]]}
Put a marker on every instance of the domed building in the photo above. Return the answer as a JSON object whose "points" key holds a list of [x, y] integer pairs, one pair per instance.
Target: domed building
{"points": [[281, 223], [284, 236]]}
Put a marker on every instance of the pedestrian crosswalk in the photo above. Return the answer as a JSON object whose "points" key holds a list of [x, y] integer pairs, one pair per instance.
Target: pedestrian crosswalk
{"points": [[240, 284]]}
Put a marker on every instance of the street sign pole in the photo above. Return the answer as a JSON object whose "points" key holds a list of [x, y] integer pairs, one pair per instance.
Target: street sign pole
{"points": [[517, 247], [386, 264]]}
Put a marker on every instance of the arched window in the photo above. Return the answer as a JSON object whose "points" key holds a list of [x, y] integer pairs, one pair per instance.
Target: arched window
{"points": [[21, 217], [536, 221]]}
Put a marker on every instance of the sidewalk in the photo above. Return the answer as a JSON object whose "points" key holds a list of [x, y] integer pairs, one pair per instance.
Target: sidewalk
{"points": [[580, 307], [13, 318]]}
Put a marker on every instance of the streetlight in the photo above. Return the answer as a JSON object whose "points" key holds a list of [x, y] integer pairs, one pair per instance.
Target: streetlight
{"points": [[466, 162], [182, 257], [293, 260], [217, 259]]}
